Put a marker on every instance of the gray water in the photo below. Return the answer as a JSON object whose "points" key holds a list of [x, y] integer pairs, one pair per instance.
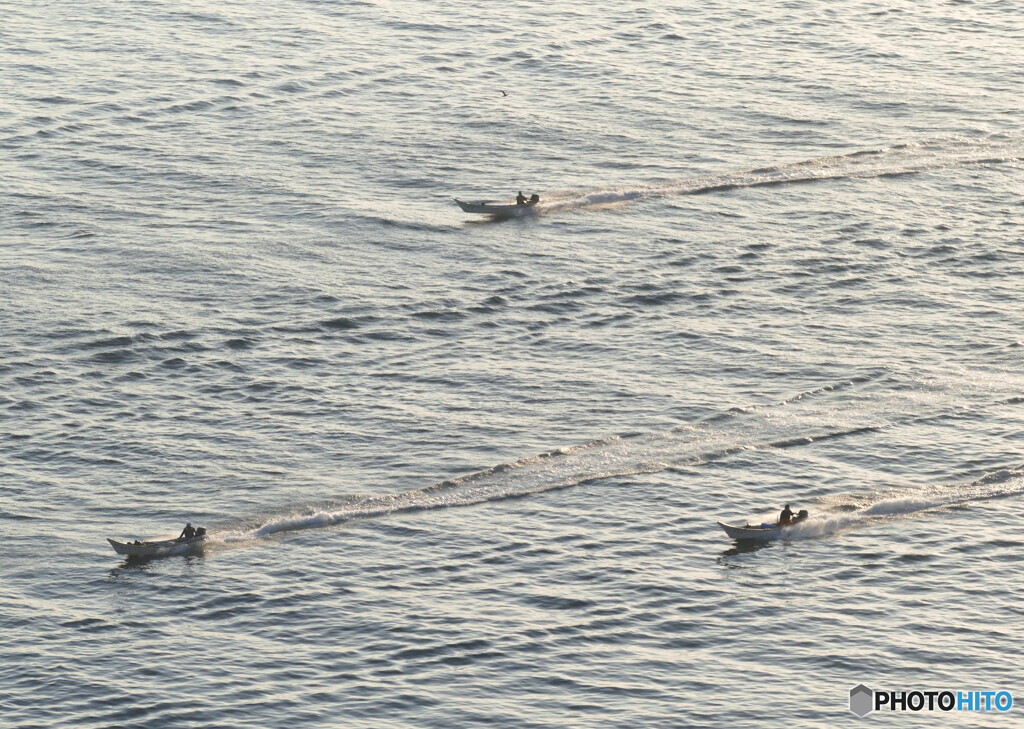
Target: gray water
{"points": [[464, 473]]}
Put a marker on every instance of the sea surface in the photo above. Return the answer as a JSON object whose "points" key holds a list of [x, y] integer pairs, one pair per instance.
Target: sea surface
{"points": [[466, 473]]}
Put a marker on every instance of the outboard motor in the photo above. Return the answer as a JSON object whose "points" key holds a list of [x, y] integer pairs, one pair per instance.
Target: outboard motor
{"points": [[201, 531], [799, 517]]}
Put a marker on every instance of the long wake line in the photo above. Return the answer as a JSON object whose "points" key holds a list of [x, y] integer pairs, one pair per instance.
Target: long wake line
{"points": [[796, 422], [889, 161]]}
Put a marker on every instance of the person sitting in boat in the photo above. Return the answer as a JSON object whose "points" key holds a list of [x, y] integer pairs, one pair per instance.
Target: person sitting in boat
{"points": [[520, 198], [786, 517], [188, 532], [534, 199]]}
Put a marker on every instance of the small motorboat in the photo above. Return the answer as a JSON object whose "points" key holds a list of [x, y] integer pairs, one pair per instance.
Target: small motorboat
{"points": [[497, 210], [167, 548], [762, 531]]}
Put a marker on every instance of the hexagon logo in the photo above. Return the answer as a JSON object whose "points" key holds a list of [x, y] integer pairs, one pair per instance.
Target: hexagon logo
{"points": [[862, 700]]}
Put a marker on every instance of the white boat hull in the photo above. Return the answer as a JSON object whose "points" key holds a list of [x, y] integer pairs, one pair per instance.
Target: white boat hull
{"points": [[749, 531], [168, 548], [496, 210]]}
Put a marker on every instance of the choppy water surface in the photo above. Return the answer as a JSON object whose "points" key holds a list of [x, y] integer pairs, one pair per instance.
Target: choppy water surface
{"points": [[466, 473]]}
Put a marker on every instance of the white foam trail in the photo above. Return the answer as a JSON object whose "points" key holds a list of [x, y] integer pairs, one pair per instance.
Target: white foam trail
{"points": [[896, 160], [475, 489], [559, 469]]}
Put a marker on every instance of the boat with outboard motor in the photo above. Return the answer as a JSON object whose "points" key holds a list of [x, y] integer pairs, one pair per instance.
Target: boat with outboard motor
{"points": [[166, 548], [497, 210], [763, 531]]}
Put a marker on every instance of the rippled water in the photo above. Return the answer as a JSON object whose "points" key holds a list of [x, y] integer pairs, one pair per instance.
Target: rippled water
{"points": [[466, 473]]}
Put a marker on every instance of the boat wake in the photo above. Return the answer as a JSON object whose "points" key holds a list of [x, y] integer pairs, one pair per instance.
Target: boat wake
{"points": [[901, 159], [562, 468], [877, 400], [845, 513]]}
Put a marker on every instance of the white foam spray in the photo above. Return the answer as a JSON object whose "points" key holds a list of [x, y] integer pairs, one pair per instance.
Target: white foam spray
{"points": [[841, 514]]}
